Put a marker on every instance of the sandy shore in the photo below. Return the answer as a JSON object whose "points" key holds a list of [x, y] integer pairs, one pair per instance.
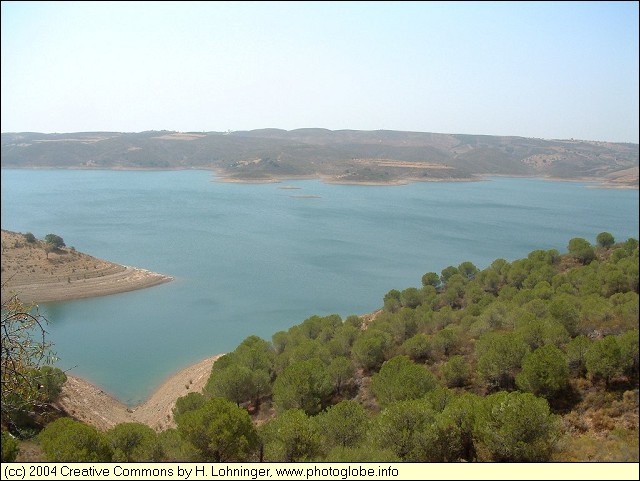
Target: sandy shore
{"points": [[90, 404]]}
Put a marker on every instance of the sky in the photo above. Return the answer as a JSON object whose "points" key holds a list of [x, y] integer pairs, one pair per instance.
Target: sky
{"points": [[553, 70]]}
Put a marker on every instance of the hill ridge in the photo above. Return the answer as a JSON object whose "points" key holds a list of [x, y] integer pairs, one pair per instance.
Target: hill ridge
{"points": [[346, 156]]}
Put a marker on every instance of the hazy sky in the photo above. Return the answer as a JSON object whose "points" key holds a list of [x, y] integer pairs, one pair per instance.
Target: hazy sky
{"points": [[550, 70]]}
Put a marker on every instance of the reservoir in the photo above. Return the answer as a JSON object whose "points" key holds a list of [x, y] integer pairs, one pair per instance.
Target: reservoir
{"points": [[259, 258]]}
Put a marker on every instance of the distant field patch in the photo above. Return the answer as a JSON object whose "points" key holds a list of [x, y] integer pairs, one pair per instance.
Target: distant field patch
{"points": [[83, 140], [402, 164], [180, 136]]}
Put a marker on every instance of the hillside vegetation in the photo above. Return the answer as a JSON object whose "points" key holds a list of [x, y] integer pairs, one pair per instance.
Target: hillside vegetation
{"points": [[349, 156], [530, 360]]}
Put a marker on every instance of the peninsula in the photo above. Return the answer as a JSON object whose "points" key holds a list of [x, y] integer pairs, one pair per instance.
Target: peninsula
{"points": [[36, 273]]}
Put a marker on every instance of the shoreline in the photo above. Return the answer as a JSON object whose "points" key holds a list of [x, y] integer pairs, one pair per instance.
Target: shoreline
{"points": [[127, 280], [599, 183], [87, 402], [223, 177]]}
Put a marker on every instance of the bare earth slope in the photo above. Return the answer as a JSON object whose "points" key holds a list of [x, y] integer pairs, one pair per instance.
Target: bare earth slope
{"points": [[64, 274]]}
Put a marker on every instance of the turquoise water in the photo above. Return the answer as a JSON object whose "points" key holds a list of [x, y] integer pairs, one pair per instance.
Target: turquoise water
{"points": [[252, 259]]}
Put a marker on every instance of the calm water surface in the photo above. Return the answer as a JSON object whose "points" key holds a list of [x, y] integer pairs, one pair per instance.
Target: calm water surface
{"points": [[256, 259]]}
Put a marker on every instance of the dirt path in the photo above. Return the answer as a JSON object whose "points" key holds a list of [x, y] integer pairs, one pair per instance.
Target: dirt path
{"points": [[88, 403]]}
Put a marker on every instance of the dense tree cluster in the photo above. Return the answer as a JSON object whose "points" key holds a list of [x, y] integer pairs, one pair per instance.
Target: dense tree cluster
{"points": [[474, 365]]}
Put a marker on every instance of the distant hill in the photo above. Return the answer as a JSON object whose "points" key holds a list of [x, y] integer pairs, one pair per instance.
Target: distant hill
{"points": [[348, 156]]}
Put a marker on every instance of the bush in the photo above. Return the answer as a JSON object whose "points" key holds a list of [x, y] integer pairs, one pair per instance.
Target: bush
{"points": [[69, 441], [9, 448], [605, 239], [455, 371], [515, 427], [29, 237], [545, 372], [581, 250], [401, 379], [54, 241]]}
